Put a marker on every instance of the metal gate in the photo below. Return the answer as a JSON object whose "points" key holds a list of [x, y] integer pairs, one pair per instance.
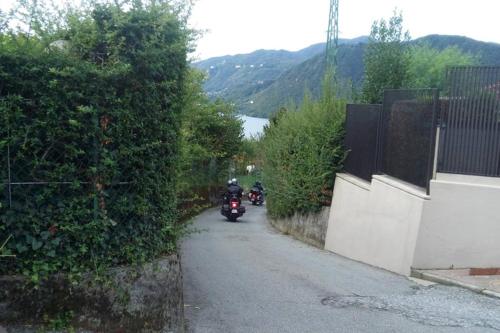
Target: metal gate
{"points": [[470, 122]]}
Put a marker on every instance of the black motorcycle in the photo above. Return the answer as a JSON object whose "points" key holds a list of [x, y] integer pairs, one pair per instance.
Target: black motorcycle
{"points": [[232, 208]]}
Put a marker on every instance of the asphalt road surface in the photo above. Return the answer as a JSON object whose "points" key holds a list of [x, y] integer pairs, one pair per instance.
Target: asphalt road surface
{"points": [[247, 277]]}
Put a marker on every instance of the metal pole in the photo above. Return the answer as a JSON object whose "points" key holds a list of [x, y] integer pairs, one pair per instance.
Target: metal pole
{"points": [[432, 145], [436, 152]]}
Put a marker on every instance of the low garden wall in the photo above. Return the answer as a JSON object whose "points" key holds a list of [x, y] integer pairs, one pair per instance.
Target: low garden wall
{"points": [[309, 228], [145, 299]]}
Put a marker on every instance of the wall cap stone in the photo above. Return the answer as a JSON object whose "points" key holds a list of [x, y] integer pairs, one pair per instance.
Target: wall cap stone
{"points": [[403, 186], [364, 184]]}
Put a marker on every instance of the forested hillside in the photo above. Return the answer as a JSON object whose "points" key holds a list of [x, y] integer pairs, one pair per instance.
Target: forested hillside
{"points": [[237, 78], [260, 90], [289, 87]]}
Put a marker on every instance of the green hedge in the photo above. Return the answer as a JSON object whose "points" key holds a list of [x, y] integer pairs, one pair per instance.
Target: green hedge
{"points": [[302, 151], [93, 129]]}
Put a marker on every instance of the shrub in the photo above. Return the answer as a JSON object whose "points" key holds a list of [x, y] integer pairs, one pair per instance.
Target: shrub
{"points": [[302, 152]]}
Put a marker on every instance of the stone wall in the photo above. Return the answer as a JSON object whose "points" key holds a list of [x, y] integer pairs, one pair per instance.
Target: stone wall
{"points": [[310, 228], [146, 299]]}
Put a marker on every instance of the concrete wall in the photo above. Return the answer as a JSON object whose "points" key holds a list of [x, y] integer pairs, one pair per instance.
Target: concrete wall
{"points": [[310, 228], [349, 218], [148, 299], [460, 226], [375, 223], [396, 226]]}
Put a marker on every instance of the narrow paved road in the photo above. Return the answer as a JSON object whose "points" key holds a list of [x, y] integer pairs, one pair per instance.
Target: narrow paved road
{"points": [[246, 277]]}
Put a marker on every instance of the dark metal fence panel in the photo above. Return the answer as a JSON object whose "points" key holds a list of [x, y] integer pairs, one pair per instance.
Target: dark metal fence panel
{"points": [[470, 123], [361, 139], [407, 135]]}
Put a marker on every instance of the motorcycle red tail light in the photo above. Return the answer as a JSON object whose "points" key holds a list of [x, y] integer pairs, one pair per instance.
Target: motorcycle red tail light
{"points": [[234, 204]]}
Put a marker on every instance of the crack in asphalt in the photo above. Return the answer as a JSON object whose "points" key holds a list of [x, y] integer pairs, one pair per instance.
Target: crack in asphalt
{"points": [[432, 306]]}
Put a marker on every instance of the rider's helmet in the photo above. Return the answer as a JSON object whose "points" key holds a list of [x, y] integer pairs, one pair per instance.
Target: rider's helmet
{"points": [[258, 183], [234, 181]]}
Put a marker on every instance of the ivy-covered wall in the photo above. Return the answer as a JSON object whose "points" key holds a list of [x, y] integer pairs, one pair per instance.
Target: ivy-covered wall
{"points": [[89, 140]]}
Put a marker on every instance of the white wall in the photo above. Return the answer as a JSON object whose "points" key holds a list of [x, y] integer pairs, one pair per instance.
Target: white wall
{"points": [[375, 223], [460, 226], [468, 180], [348, 222], [393, 225]]}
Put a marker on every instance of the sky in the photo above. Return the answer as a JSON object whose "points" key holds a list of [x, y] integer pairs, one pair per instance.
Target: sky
{"points": [[243, 26]]}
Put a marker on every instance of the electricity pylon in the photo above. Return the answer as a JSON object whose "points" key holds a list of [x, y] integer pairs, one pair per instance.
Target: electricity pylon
{"points": [[332, 40]]}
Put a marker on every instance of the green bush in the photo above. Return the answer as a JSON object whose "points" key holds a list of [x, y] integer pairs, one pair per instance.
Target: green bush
{"points": [[428, 65], [92, 131], [302, 152]]}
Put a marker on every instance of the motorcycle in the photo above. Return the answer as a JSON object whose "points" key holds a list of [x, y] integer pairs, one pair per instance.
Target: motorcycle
{"points": [[255, 196], [232, 208]]}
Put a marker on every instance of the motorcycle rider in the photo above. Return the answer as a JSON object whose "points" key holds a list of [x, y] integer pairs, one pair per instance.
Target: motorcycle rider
{"points": [[234, 188], [230, 211], [258, 186]]}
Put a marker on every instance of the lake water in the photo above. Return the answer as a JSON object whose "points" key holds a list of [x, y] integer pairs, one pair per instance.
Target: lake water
{"points": [[253, 126]]}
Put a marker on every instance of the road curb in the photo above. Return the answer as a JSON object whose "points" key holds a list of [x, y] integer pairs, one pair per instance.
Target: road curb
{"points": [[450, 282]]}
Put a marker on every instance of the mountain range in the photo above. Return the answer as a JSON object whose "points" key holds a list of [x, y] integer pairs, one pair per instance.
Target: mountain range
{"points": [[259, 83]]}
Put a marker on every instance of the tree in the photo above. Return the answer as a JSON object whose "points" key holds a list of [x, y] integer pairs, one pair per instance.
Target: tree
{"points": [[211, 136], [386, 58], [3, 21], [428, 65]]}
